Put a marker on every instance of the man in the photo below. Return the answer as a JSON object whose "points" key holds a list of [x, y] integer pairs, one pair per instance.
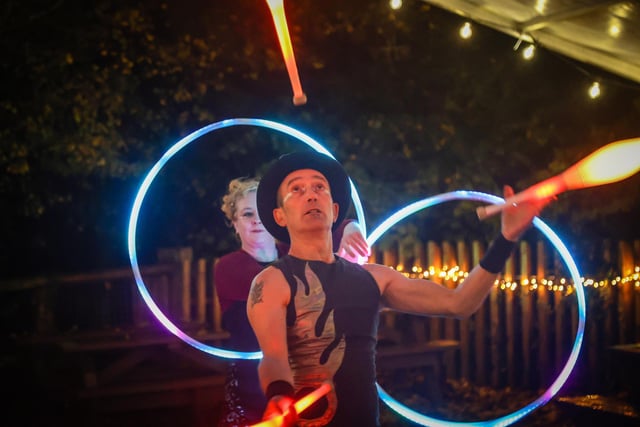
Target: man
{"points": [[315, 314]]}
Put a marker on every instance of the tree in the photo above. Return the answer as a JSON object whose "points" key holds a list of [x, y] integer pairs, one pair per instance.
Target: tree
{"points": [[98, 91]]}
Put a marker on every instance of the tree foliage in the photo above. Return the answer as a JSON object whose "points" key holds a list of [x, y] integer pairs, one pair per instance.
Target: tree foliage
{"points": [[95, 92]]}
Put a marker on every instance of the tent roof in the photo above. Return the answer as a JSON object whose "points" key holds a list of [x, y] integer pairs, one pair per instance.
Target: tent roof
{"points": [[602, 33]]}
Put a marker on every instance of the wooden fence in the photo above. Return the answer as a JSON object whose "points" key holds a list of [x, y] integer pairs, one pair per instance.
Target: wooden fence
{"points": [[525, 331], [109, 301], [520, 337]]}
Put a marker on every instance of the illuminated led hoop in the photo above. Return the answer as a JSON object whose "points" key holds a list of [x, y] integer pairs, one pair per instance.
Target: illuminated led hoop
{"points": [[144, 187], [575, 275]]}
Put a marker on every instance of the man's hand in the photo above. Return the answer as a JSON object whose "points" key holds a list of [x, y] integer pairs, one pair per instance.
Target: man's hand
{"points": [[517, 219], [281, 406]]}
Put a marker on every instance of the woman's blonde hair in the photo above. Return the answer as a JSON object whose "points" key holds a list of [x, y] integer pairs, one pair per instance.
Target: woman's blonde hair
{"points": [[238, 188]]}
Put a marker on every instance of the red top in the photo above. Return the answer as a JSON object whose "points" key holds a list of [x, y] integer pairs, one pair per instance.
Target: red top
{"points": [[234, 272]]}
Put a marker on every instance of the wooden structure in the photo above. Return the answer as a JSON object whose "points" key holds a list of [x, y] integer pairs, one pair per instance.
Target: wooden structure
{"points": [[524, 332], [520, 337]]}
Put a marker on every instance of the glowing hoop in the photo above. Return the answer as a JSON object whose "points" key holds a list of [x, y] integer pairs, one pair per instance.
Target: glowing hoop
{"points": [[135, 211], [371, 239], [575, 275]]}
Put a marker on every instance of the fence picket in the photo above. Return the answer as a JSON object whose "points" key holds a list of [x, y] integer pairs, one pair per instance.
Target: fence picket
{"points": [[450, 325], [465, 324], [526, 302], [510, 314], [434, 259], [479, 328], [521, 336], [216, 311]]}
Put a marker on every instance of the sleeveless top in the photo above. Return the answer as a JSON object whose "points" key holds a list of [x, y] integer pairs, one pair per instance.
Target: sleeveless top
{"points": [[244, 400], [332, 322]]}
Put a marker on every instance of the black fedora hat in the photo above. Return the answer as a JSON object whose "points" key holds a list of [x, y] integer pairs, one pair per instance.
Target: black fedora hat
{"points": [[267, 195]]}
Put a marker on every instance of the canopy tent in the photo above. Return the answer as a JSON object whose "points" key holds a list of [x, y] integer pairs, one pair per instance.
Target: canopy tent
{"points": [[602, 33]]}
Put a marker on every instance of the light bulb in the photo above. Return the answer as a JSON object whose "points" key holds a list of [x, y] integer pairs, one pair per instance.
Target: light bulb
{"points": [[528, 52], [465, 30], [594, 90]]}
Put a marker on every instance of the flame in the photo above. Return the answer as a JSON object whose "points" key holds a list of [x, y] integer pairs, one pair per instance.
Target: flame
{"points": [[279, 19], [300, 405], [611, 163], [306, 401], [549, 188]]}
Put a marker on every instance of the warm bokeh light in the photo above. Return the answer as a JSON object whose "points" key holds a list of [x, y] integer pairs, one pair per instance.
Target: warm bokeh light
{"points": [[279, 19], [465, 31], [395, 4], [594, 90], [528, 52], [527, 284], [614, 30], [614, 26]]}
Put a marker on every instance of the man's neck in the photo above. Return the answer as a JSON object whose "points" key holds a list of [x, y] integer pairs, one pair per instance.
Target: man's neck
{"points": [[313, 247]]}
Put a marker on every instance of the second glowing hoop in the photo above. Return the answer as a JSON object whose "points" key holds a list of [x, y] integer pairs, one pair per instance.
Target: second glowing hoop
{"points": [[144, 187], [577, 280]]}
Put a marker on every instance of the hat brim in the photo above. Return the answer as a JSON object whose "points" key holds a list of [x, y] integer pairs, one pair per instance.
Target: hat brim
{"points": [[267, 194]]}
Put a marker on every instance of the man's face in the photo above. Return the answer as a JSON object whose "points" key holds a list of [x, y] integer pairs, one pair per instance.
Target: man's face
{"points": [[305, 201]]}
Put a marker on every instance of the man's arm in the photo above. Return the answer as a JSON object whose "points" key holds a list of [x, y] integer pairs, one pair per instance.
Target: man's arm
{"points": [[267, 310], [425, 297]]}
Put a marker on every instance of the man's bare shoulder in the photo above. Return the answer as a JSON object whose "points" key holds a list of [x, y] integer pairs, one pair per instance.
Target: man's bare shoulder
{"points": [[378, 269], [269, 274], [382, 274], [269, 285]]}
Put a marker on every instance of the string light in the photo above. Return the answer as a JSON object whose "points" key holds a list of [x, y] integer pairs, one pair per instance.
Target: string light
{"points": [[614, 28], [594, 90], [465, 31], [540, 6], [552, 284], [395, 4], [528, 52]]}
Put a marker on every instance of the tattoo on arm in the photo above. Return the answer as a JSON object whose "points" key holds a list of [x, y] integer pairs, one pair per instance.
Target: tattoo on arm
{"points": [[256, 293]]}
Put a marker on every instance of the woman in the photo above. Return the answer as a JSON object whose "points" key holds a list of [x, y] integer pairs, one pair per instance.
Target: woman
{"points": [[244, 400]]}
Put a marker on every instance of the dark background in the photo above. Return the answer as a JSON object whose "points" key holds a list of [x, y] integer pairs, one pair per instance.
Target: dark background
{"points": [[93, 94]]}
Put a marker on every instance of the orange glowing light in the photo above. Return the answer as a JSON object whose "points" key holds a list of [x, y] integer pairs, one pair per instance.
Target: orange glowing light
{"points": [[611, 163], [547, 189], [279, 19], [300, 405]]}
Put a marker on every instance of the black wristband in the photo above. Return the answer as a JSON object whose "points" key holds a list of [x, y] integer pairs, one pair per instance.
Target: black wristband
{"points": [[279, 388], [497, 254]]}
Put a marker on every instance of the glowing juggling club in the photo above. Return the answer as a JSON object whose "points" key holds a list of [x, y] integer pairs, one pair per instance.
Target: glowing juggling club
{"points": [[611, 163], [279, 19], [300, 405]]}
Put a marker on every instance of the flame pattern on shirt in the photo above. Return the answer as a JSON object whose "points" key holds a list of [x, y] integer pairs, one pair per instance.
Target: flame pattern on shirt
{"points": [[317, 352]]}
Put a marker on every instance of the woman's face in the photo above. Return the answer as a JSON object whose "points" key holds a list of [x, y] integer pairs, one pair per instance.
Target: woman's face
{"points": [[247, 222]]}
